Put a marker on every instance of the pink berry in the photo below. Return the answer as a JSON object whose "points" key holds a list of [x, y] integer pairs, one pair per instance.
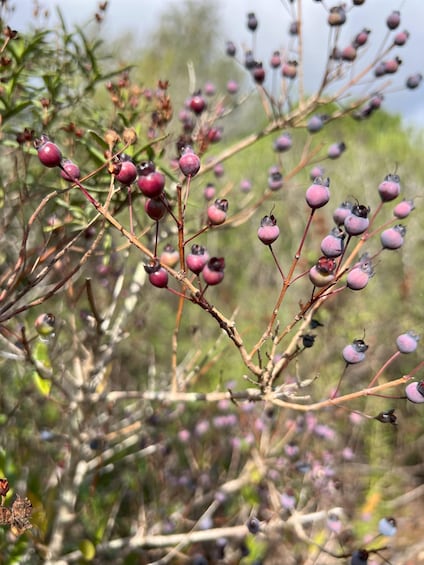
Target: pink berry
{"points": [[275, 60], [357, 221], [333, 244], [341, 212], [289, 69], [218, 170], [268, 231], [209, 191], [232, 87], [335, 150], [415, 392], [318, 194], [361, 38], [322, 273], [69, 170], [389, 189], [407, 342], [245, 185], [349, 53], [48, 152], [189, 162], [283, 143], [358, 277], [217, 212], [275, 178], [401, 38], [392, 65], [197, 259], [197, 103], [393, 238], [403, 209], [316, 171], [355, 352], [209, 89], [213, 272]]}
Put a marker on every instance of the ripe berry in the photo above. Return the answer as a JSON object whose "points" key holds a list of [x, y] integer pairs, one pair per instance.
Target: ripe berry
{"points": [[361, 38], [152, 184], [253, 525], [387, 527], [252, 22], [189, 162], [315, 123], [245, 185], [349, 53], [392, 65], [209, 89], [275, 178], [389, 189], [415, 392], [230, 49], [155, 208], [393, 20], [218, 170], [169, 256], [48, 152], [232, 87], [289, 69], [268, 231], [333, 244], [318, 194], [358, 277], [335, 150], [217, 212], [249, 60], [392, 238], [357, 221], [69, 170], [359, 557], [401, 38], [380, 69], [413, 81], [258, 73], [341, 212], [275, 60], [403, 209], [214, 134], [322, 273], [283, 143], [209, 191], [213, 272], [127, 173], [337, 16], [197, 103], [407, 342], [197, 258], [355, 352], [316, 171], [158, 276]]}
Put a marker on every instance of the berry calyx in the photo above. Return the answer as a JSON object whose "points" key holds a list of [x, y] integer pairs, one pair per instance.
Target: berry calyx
{"points": [[213, 272], [48, 152], [268, 231], [318, 194], [389, 189], [217, 212], [407, 342], [189, 162]]}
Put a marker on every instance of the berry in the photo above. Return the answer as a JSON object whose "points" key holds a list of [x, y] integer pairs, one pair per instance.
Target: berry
{"points": [[197, 258], [253, 525], [230, 49], [294, 28], [359, 557], [127, 173], [258, 73], [413, 81], [45, 324], [48, 152], [197, 103], [214, 134], [218, 170], [322, 273], [392, 238], [318, 194], [316, 171], [401, 38], [217, 212], [407, 342], [275, 60], [315, 123], [349, 53], [393, 20], [336, 16], [355, 352], [333, 244], [335, 150], [387, 527], [392, 65], [415, 392], [209, 191], [189, 162], [69, 170], [403, 209], [232, 87], [155, 208], [361, 38], [252, 22], [245, 185], [213, 272], [289, 69], [169, 256], [268, 231], [249, 60], [341, 212], [209, 89], [357, 221], [380, 69], [389, 189], [158, 276], [359, 275], [283, 143], [275, 178], [375, 101], [152, 184]]}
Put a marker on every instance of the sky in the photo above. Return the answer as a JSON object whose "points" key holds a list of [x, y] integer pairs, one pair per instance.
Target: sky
{"points": [[139, 17]]}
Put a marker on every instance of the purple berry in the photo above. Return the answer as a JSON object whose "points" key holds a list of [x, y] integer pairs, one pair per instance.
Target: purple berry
{"points": [[275, 61], [249, 60], [355, 352], [415, 392], [197, 259], [359, 275], [283, 143], [333, 244], [393, 238], [387, 527], [253, 525], [322, 273], [158, 276], [380, 69], [69, 170], [335, 150], [294, 28], [341, 212], [407, 342], [155, 208], [252, 22], [315, 124], [48, 152], [393, 20], [209, 89], [213, 272], [268, 231], [414, 81], [275, 178], [389, 189], [189, 162], [258, 73], [403, 209], [318, 194], [357, 221], [217, 212]]}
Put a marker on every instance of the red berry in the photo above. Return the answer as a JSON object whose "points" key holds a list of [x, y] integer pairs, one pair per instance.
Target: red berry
{"points": [[127, 173], [197, 259], [197, 103], [151, 185], [217, 212], [69, 170], [155, 208], [268, 231], [318, 194], [213, 272], [158, 276], [258, 73], [189, 162], [48, 152]]}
